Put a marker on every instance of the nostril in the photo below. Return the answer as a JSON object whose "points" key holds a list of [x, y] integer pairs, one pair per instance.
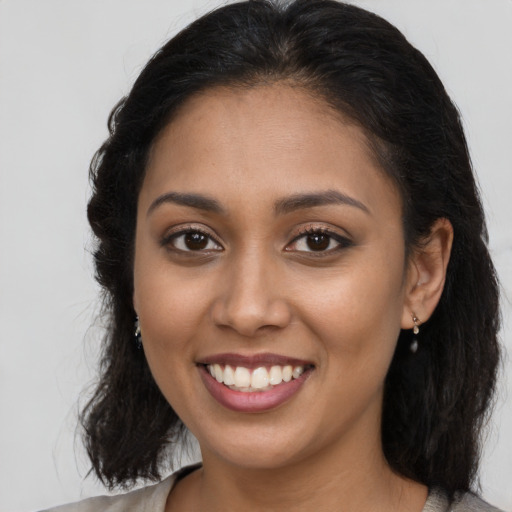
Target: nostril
{"points": [[251, 317]]}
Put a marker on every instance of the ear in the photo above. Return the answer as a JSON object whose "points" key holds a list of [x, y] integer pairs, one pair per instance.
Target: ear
{"points": [[427, 273]]}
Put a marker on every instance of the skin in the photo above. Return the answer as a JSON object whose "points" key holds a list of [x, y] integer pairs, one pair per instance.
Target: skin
{"points": [[258, 287]]}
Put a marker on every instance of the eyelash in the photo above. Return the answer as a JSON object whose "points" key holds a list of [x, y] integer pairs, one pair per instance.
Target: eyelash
{"points": [[343, 242], [170, 239]]}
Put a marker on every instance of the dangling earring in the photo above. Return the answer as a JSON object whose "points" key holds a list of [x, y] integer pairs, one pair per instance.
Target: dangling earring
{"points": [[414, 343], [138, 337]]}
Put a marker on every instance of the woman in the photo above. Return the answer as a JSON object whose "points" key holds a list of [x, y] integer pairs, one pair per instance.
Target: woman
{"points": [[294, 258]]}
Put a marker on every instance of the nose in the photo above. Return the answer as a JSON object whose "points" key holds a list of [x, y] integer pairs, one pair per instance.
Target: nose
{"points": [[251, 298]]}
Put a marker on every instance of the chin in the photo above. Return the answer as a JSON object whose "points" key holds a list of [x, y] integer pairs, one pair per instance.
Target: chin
{"points": [[257, 448]]}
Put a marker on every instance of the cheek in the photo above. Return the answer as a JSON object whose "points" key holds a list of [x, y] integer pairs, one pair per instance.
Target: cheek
{"points": [[357, 325], [170, 309], [357, 311], [166, 298]]}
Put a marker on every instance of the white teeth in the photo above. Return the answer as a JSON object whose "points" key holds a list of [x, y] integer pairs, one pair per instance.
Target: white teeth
{"points": [[276, 375], [259, 379], [287, 373], [229, 376], [297, 372], [218, 372], [242, 377]]}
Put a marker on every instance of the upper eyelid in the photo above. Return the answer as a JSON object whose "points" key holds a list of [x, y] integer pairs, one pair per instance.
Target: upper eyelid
{"points": [[304, 230], [183, 229], [312, 228], [343, 241]]}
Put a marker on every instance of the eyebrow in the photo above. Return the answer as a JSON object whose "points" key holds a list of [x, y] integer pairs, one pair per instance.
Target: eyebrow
{"points": [[281, 206], [302, 201], [198, 201]]}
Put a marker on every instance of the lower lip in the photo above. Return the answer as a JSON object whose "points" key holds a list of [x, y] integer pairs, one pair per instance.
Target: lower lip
{"points": [[254, 401]]}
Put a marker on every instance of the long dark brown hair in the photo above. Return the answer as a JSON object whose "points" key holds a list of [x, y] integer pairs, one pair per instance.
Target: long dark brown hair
{"points": [[436, 401]]}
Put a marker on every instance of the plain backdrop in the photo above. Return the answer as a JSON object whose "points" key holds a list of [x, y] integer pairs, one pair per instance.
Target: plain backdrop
{"points": [[63, 65]]}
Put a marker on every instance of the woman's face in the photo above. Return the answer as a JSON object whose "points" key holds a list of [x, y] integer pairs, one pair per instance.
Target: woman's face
{"points": [[269, 243]]}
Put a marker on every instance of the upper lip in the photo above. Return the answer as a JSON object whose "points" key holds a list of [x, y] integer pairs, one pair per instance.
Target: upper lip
{"points": [[253, 361]]}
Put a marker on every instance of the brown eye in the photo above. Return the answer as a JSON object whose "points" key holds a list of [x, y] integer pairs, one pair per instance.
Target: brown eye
{"points": [[192, 241], [318, 241], [195, 241]]}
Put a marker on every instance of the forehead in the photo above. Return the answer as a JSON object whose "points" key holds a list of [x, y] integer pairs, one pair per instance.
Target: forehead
{"points": [[264, 140]]}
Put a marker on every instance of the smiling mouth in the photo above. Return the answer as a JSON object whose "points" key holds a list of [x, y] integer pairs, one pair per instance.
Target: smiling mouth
{"points": [[259, 379], [256, 383]]}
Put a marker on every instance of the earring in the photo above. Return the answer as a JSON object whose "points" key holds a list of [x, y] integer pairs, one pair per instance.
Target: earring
{"points": [[414, 343], [138, 337]]}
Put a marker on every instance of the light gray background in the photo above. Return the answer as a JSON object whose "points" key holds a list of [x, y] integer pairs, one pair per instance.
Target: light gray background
{"points": [[63, 65]]}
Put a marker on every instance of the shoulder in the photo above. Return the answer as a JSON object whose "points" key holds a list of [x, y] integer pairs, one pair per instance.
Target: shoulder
{"points": [[147, 499], [438, 501], [469, 502]]}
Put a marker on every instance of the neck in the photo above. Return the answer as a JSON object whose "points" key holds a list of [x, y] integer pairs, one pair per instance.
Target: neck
{"points": [[352, 480]]}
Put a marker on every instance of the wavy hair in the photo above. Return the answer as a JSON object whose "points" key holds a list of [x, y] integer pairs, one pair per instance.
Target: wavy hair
{"points": [[435, 401]]}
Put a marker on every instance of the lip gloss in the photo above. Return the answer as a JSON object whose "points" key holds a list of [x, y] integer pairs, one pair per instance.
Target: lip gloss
{"points": [[252, 401]]}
